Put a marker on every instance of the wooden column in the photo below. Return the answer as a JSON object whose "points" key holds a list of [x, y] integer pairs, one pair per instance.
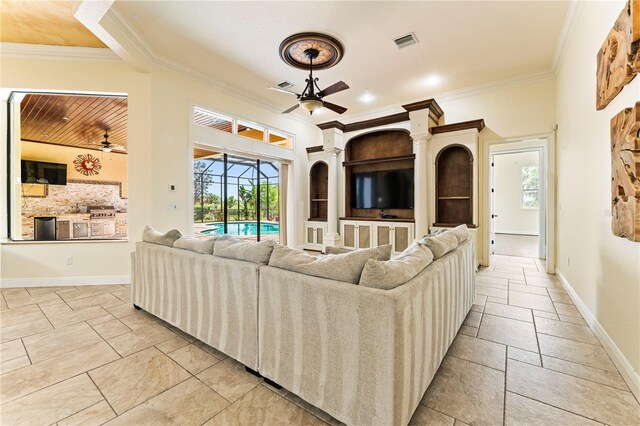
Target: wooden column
{"points": [[420, 135], [332, 144]]}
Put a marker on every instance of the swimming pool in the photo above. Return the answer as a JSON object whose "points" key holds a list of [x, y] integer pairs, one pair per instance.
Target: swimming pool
{"points": [[242, 228]]}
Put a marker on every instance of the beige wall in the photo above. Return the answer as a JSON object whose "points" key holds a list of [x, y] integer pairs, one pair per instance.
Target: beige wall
{"points": [[159, 154], [603, 269]]}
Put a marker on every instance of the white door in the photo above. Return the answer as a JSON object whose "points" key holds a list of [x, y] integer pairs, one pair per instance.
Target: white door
{"points": [[492, 197]]}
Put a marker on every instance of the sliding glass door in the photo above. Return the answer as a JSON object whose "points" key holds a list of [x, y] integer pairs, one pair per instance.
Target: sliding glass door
{"points": [[236, 195]]}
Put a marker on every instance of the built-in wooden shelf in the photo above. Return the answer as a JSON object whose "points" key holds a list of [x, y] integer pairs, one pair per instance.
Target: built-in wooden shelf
{"points": [[317, 219], [453, 225], [379, 160], [377, 219], [319, 199], [319, 191], [454, 198]]}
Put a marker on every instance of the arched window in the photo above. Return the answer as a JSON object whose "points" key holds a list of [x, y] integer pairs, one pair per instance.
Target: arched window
{"points": [[454, 186]]}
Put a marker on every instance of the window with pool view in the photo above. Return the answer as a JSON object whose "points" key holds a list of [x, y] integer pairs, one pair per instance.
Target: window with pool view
{"points": [[241, 199]]}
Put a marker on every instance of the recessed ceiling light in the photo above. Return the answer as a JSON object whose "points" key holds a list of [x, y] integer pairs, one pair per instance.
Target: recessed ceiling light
{"points": [[433, 80], [367, 97]]}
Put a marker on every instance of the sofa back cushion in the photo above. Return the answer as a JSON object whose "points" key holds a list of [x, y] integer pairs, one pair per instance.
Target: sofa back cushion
{"points": [[150, 235], [198, 245], [440, 244], [346, 267], [385, 251], [250, 251], [461, 233], [390, 274]]}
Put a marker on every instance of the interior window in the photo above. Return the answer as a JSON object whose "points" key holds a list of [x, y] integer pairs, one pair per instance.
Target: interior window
{"points": [[530, 183], [69, 164]]}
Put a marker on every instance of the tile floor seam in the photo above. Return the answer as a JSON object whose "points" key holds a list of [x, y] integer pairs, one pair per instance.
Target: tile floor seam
{"points": [[559, 408], [475, 362], [535, 330], [584, 365], [597, 345], [101, 393], [45, 315], [86, 408], [26, 352], [105, 340], [230, 402], [515, 319], [588, 380]]}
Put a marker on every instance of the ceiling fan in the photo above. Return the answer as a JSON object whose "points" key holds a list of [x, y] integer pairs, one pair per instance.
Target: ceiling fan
{"points": [[309, 99], [107, 146]]}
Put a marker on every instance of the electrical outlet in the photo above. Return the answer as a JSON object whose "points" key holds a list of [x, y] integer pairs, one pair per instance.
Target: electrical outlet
{"points": [[69, 260], [172, 188]]}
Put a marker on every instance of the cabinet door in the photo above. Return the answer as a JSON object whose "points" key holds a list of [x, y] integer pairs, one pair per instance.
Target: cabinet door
{"points": [[349, 234], [311, 234], [365, 235], [382, 234], [402, 236], [320, 235]]}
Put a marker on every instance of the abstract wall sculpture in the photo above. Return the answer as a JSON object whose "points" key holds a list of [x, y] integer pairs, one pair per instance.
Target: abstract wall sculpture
{"points": [[625, 173], [618, 60]]}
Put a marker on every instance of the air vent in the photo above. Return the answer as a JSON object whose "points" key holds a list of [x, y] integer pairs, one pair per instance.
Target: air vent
{"points": [[285, 85], [406, 40]]}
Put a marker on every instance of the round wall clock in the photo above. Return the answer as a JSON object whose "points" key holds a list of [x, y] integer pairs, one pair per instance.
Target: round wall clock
{"points": [[87, 164]]}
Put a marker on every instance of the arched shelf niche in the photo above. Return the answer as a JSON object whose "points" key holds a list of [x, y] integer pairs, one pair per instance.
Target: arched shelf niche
{"points": [[318, 191], [454, 186]]}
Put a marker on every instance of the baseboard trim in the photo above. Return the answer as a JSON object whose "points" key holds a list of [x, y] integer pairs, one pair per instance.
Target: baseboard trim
{"points": [[64, 281], [624, 367]]}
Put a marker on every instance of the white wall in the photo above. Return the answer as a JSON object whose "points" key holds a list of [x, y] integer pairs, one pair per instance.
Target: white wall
{"points": [[603, 269], [507, 172], [159, 155]]}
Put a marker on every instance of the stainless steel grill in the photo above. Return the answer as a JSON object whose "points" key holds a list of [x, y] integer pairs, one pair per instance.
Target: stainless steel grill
{"points": [[101, 212]]}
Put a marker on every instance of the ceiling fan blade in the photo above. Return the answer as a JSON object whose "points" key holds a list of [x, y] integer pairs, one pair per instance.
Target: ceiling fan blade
{"points": [[287, 111], [335, 108], [277, 89], [334, 88]]}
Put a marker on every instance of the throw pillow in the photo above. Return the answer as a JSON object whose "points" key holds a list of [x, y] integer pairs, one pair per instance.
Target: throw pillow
{"points": [[345, 267], [440, 244], [250, 251], [461, 232], [390, 274], [198, 245], [150, 235]]}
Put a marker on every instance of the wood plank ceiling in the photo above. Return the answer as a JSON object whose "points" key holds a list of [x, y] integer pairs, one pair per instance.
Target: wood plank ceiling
{"points": [[74, 120]]}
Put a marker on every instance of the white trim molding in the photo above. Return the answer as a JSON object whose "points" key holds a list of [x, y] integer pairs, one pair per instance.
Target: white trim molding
{"points": [[42, 51], [621, 362], [570, 20], [64, 281]]}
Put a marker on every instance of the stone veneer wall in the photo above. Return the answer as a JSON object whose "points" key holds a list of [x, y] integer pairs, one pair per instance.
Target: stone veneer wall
{"points": [[62, 200]]}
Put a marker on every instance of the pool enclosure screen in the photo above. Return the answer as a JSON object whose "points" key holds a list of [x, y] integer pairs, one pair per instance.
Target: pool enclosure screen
{"points": [[237, 196]]}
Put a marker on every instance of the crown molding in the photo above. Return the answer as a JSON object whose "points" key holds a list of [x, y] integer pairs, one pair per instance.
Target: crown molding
{"points": [[455, 127], [43, 51], [429, 104], [170, 65], [570, 20]]}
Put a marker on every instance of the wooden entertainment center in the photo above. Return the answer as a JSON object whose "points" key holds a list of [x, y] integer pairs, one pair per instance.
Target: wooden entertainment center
{"points": [[440, 157]]}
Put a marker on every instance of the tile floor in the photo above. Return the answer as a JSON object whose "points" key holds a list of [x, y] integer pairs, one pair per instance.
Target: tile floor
{"points": [[83, 355], [517, 245]]}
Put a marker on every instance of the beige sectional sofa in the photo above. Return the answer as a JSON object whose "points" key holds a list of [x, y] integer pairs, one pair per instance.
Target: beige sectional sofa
{"points": [[364, 355]]}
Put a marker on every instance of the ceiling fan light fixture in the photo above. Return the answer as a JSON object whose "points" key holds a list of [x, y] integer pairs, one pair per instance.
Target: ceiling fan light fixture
{"points": [[106, 149], [311, 105]]}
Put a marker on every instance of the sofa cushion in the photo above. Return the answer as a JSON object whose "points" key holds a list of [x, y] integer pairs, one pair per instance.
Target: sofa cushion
{"points": [[345, 267], [198, 245], [150, 235], [440, 244], [250, 251], [394, 272], [384, 251], [461, 233]]}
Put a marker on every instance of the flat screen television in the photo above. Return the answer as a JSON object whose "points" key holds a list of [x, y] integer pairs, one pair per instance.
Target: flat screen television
{"points": [[390, 189], [45, 173]]}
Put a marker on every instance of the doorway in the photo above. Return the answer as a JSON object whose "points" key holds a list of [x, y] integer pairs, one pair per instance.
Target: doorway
{"points": [[517, 194], [236, 195]]}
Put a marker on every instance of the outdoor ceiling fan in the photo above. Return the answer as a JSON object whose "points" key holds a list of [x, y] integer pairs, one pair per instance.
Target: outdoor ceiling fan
{"points": [[107, 146], [310, 99]]}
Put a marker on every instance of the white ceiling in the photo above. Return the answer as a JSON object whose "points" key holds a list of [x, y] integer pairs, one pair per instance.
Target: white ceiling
{"points": [[461, 44]]}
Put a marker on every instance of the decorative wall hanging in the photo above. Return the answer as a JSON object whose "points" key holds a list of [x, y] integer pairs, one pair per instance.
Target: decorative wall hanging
{"points": [[616, 61], [625, 173], [87, 164], [635, 33]]}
